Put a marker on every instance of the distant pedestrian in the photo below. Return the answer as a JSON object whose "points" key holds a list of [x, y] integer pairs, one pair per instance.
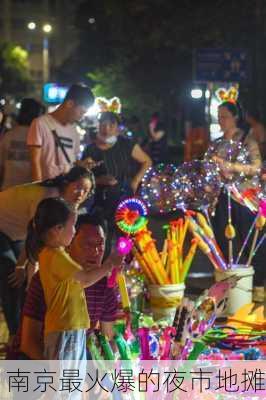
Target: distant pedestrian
{"points": [[257, 131], [156, 145], [15, 168]]}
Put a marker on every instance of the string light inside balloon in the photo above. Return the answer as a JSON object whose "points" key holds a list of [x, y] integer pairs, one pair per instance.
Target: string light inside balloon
{"points": [[157, 191]]}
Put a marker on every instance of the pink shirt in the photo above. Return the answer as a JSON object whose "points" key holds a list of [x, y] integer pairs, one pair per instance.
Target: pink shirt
{"points": [[53, 161]]}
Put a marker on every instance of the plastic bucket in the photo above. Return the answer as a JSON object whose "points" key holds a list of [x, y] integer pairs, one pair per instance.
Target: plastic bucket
{"points": [[241, 294], [164, 300]]}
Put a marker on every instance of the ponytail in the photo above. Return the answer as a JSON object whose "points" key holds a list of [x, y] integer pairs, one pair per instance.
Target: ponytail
{"points": [[50, 213], [34, 243]]}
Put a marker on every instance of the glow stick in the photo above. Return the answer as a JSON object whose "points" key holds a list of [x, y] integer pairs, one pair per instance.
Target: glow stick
{"points": [[93, 347], [164, 253], [107, 350], [184, 232], [172, 260], [188, 260], [259, 243], [209, 232], [194, 227], [149, 261], [206, 250], [230, 230], [144, 266], [122, 346], [260, 222], [156, 264], [123, 291], [245, 241]]}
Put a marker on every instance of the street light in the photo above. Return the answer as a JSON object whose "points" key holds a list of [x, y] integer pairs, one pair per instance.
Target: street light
{"points": [[196, 93], [31, 26], [47, 28]]}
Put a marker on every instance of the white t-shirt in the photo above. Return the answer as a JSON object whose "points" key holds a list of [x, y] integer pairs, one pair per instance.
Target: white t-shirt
{"points": [[14, 157], [53, 161]]}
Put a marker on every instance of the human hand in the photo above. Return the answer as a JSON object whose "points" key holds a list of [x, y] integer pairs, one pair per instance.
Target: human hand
{"points": [[218, 160], [106, 180], [88, 163], [227, 170], [226, 167], [115, 259], [17, 278], [107, 329]]}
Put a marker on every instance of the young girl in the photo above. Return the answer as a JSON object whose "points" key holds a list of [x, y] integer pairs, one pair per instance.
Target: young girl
{"points": [[63, 280], [17, 207]]}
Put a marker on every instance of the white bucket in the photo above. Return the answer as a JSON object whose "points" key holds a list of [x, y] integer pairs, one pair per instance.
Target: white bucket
{"points": [[241, 294], [164, 300]]}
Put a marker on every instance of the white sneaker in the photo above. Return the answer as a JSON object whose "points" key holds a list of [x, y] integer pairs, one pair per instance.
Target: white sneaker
{"points": [[259, 294]]}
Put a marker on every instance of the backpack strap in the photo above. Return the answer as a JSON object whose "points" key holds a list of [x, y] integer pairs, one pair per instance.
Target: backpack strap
{"points": [[57, 140]]}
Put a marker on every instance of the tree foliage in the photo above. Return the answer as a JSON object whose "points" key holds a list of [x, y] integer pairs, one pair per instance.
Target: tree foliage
{"points": [[143, 49], [14, 70]]}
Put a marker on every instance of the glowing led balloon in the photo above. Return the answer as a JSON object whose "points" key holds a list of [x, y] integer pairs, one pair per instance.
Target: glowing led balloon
{"points": [[157, 190], [131, 215], [230, 151], [124, 245], [248, 192], [199, 183]]}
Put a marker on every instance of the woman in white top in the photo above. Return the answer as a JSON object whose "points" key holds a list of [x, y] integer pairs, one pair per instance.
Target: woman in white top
{"points": [[17, 207]]}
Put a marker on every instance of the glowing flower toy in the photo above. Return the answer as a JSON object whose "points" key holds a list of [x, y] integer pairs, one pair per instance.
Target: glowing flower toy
{"points": [[130, 218], [131, 215], [124, 245]]}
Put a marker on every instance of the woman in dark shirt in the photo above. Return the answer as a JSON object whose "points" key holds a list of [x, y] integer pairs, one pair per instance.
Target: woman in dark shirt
{"points": [[115, 157]]}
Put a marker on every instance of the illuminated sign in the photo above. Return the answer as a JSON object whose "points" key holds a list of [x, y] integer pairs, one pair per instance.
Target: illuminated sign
{"points": [[54, 93]]}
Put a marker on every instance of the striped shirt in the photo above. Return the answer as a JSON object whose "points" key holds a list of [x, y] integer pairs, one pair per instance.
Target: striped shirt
{"points": [[101, 302], [117, 160]]}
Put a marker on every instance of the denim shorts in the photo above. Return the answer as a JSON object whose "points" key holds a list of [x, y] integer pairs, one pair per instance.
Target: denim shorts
{"points": [[70, 348], [65, 345]]}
